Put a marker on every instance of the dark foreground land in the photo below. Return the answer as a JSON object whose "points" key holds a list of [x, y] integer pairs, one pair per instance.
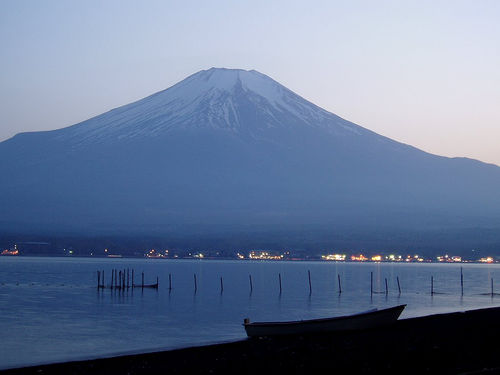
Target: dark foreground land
{"points": [[457, 343]]}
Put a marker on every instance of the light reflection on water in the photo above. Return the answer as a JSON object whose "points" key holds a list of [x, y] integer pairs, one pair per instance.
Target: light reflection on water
{"points": [[52, 311]]}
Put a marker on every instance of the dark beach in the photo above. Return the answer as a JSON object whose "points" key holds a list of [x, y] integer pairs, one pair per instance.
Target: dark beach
{"points": [[456, 343]]}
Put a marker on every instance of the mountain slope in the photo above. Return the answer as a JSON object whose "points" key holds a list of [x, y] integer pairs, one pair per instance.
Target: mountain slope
{"points": [[234, 150]]}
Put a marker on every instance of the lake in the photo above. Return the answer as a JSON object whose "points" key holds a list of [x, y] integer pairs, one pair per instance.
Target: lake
{"points": [[52, 311]]}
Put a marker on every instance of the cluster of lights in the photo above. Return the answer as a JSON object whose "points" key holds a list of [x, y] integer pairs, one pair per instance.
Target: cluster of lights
{"points": [[486, 260], [398, 258], [335, 257], [447, 258], [156, 254], [359, 258], [13, 251], [394, 258], [10, 252], [414, 258], [264, 255], [374, 258]]}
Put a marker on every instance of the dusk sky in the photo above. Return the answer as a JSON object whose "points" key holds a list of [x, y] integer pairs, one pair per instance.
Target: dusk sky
{"points": [[421, 72]]}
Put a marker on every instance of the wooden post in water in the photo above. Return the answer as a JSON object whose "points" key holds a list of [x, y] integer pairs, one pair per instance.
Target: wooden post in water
{"points": [[142, 282], [462, 280], [169, 281], [310, 286], [340, 285], [399, 286], [221, 285], [386, 288], [492, 287], [157, 282], [279, 277], [195, 284], [432, 285], [251, 284], [371, 283], [120, 280], [98, 279], [112, 276], [128, 278]]}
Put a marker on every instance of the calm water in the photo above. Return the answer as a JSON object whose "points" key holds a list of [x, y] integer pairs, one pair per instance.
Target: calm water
{"points": [[52, 311]]}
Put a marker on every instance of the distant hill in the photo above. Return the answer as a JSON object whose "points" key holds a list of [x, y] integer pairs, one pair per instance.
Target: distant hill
{"points": [[228, 153]]}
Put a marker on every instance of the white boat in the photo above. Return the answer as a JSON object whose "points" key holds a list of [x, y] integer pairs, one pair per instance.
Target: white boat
{"points": [[364, 320]]}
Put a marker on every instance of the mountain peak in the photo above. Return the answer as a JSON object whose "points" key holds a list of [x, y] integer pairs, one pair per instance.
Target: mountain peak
{"points": [[225, 79], [236, 100]]}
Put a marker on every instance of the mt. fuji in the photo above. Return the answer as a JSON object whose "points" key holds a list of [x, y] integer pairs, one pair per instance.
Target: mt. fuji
{"points": [[233, 151], [243, 102]]}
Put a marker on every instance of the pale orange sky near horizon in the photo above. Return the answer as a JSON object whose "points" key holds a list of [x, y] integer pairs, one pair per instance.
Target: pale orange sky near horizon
{"points": [[421, 72]]}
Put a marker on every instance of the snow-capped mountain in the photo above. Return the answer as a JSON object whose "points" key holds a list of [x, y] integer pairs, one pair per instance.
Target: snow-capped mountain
{"points": [[227, 148], [239, 101]]}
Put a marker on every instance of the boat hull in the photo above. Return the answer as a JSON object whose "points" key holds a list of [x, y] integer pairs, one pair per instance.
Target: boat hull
{"points": [[360, 321]]}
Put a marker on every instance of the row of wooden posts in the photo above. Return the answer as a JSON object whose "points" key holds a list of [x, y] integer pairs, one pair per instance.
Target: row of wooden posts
{"points": [[492, 293], [386, 285], [124, 279]]}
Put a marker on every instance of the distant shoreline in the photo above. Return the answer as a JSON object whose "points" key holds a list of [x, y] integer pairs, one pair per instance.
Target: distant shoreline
{"points": [[244, 260]]}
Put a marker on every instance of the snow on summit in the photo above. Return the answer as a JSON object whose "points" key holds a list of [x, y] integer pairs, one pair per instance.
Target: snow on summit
{"points": [[233, 99], [228, 79]]}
